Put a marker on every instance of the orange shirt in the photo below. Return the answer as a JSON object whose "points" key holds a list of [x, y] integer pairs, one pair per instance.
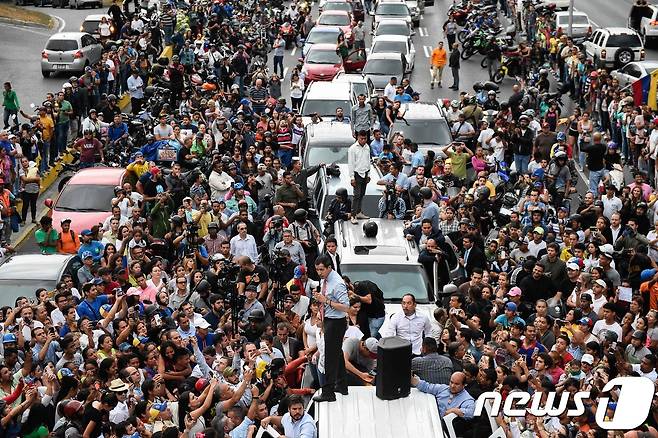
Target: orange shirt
{"points": [[439, 57], [653, 293], [68, 243]]}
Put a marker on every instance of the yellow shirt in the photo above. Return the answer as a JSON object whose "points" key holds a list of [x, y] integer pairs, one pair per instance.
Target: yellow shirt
{"points": [[138, 169], [203, 223], [48, 128]]}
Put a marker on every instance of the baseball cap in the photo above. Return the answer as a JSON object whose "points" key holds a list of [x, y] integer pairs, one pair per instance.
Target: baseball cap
{"points": [[9, 338], [213, 225], [87, 255], [538, 230], [601, 283], [238, 186], [133, 291], [586, 321], [510, 306], [229, 371], [573, 266], [607, 248], [587, 358], [514, 292], [86, 232], [372, 344], [262, 166], [299, 271], [97, 281], [66, 219], [586, 296], [201, 323]]}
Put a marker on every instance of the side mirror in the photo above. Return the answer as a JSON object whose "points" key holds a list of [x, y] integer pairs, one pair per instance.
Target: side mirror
{"points": [[302, 40], [48, 203]]}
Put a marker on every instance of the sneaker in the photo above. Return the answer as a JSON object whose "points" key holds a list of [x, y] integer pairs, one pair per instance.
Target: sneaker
{"points": [[362, 216], [353, 220], [432, 85]]}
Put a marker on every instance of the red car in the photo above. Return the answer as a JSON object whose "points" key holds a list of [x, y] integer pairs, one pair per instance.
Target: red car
{"points": [[87, 198], [322, 63], [342, 19]]}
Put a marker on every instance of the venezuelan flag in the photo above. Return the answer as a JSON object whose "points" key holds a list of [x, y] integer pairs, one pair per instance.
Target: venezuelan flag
{"points": [[645, 90]]}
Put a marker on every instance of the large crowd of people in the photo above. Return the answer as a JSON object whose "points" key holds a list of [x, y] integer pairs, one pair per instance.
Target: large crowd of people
{"points": [[208, 303]]}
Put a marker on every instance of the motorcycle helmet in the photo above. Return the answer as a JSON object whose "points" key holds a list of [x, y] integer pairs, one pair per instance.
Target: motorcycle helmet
{"points": [[175, 58], [533, 90], [454, 104], [473, 100], [491, 86], [491, 93], [111, 97], [341, 192], [477, 86], [543, 72], [504, 105], [530, 113], [425, 193], [370, 229], [612, 145], [150, 138], [300, 214], [560, 155], [176, 220], [256, 315], [575, 218], [73, 79], [561, 136], [483, 193]]}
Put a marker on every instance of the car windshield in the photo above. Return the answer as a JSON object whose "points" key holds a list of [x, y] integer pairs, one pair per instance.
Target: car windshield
{"points": [[577, 19], [90, 26], [334, 19], [394, 280], [24, 287], [424, 131], [397, 9], [624, 41], [85, 198], [322, 37], [325, 107], [389, 67], [393, 29], [338, 6], [389, 46], [326, 154], [62, 45], [322, 57]]}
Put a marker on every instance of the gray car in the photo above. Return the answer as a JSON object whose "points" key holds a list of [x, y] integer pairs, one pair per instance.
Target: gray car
{"points": [[69, 52], [380, 67]]}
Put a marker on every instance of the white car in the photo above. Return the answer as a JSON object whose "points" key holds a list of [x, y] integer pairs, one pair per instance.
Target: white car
{"points": [[633, 71], [391, 9], [581, 27], [396, 44], [614, 47], [649, 25], [90, 25], [559, 4]]}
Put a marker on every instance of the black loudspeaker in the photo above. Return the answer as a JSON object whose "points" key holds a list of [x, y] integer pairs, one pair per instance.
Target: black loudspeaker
{"points": [[393, 368]]}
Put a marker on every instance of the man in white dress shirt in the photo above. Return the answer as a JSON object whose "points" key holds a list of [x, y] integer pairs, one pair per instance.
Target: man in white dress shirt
{"points": [[358, 162], [408, 324], [244, 244]]}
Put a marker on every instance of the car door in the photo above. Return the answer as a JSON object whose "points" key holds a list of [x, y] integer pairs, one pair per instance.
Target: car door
{"points": [[591, 43], [355, 61], [411, 57], [629, 74]]}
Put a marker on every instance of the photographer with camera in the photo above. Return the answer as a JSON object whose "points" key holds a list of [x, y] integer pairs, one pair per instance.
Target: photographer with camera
{"points": [[339, 209], [391, 205], [305, 233], [293, 247], [273, 234], [252, 275]]}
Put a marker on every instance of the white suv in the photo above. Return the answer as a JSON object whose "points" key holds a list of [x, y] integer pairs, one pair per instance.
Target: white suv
{"points": [[649, 24], [614, 47]]}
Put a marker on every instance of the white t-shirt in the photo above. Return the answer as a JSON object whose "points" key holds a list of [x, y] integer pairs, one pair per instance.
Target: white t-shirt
{"points": [[602, 325], [598, 303], [484, 136], [104, 29], [651, 375], [534, 248]]}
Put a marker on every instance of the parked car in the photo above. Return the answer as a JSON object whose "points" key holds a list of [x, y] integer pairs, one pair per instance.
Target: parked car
{"points": [[380, 67], [353, 7], [393, 26], [425, 124], [649, 24], [321, 35], [341, 19], [324, 97], [20, 278], [391, 9], [86, 198], [581, 27], [614, 47], [360, 83], [322, 63], [396, 44], [69, 52], [90, 25], [78, 4], [633, 71]]}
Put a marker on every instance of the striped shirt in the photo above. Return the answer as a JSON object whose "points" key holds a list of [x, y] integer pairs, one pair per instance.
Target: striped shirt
{"points": [[284, 138]]}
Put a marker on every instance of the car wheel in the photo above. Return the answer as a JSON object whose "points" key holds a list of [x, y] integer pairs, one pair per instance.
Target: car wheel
{"points": [[45, 74], [623, 56], [483, 63], [499, 76]]}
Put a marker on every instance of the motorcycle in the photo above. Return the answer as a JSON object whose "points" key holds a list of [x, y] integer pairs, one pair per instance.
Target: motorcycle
{"points": [[510, 66], [288, 34]]}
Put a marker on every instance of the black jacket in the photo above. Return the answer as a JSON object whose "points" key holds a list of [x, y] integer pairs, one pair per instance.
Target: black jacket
{"points": [[454, 58], [476, 259], [417, 233], [295, 346]]}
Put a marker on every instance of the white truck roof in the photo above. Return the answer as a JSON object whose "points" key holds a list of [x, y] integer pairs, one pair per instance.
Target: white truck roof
{"points": [[362, 415]]}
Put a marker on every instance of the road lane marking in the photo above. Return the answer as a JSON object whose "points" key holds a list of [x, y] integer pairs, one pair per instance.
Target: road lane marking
{"points": [[427, 53], [62, 22], [294, 49], [423, 31], [285, 72], [27, 29]]}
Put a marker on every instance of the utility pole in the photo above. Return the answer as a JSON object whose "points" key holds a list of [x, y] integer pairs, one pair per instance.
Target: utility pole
{"points": [[570, 18]]}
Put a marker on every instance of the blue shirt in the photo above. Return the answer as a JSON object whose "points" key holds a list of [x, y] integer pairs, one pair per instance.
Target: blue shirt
{"points": [[94, 247], [417, 159], [402, 180], [92, 309], [402, 98], [304, 428], [336, 291], [506, 323], [376, 147], [115, 132], [446, 400], [431, 212], [241, 430]]}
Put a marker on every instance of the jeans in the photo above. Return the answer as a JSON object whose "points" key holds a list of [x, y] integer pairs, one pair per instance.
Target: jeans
{"points": [[7, 115], [29, 201], [595, 176], [359, 193], [278, 62], [374, 324], [44, 151], [521, 162], [61, 137]]}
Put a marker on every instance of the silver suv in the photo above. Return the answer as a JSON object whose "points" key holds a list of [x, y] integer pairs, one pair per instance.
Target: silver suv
{"points": [[69, 52], [614, 47]]}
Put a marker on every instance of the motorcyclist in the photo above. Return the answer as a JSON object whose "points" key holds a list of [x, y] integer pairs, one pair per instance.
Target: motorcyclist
{"points": [[491, 103], [559, 178], [543, 83], [481, 209], [150, 149], [473, 112]]}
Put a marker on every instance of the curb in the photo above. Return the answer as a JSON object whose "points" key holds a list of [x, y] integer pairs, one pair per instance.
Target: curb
{"points": [[28, 23]]}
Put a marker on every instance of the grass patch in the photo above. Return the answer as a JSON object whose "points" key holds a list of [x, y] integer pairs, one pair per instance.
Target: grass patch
{"points": [[22, 15]]}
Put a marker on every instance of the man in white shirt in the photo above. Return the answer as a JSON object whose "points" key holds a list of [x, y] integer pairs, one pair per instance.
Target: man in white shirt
{"points": [[390, 89], [358, 162], [611, 203], [486, 133], [608, 322], [244, 244], [220, 182], [120, 412], [646, 367], [408, 324]]}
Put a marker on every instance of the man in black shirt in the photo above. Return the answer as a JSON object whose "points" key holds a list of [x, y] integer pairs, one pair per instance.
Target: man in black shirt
{"points": [[372, 313], [595, 155], [252, 274], [536, 286]]}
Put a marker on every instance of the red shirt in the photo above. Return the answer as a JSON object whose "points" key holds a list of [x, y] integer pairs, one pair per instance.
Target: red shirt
{"points": [[88, 149]]}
